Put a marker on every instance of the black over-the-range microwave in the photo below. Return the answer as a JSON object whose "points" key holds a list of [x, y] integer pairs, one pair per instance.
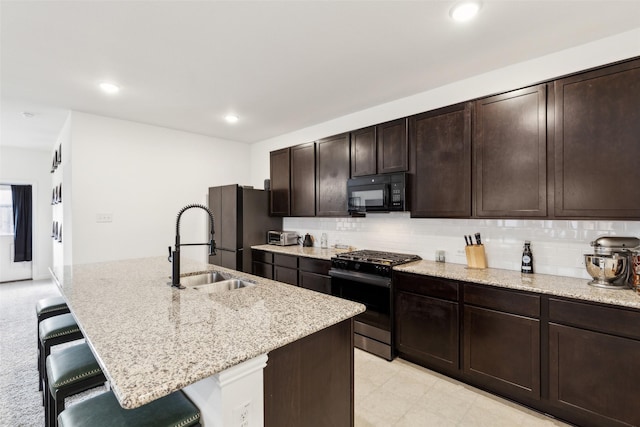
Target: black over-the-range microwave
{"points": [[377, 193]]}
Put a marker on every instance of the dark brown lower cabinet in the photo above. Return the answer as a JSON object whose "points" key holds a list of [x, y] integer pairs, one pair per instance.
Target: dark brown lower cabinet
{"points": [[594, 375], [502, 340], [427, 321], [502, 351], [262, 263], [285, 268], [310, 381], [575, 360], [594, 363], [314, 274]]}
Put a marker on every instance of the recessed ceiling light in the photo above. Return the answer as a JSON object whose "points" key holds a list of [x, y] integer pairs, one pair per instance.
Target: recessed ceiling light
{"points": [[465, 10], [109, 88], [231, 118]]}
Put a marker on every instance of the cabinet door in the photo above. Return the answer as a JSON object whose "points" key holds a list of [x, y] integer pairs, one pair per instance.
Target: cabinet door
{"points": [[594, 376], [315, 282], [303, 180], [332, 173], [309, 382], [510, 154], [261, 269], [393, 147], [427, 331], [502, 351], [279, 202], [285, 274], [597, 123], [363, 152], [440, 147]]}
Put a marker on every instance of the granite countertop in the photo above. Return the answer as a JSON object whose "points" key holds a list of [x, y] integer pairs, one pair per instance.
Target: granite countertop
{"points": [[569, 287], [297, 250], [151, 339]]}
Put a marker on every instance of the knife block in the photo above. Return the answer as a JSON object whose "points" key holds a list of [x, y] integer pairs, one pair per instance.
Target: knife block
{"points": [[476, 257]]}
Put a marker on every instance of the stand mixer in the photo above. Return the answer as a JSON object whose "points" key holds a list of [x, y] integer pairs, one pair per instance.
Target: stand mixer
{"points": [[610, 264]]}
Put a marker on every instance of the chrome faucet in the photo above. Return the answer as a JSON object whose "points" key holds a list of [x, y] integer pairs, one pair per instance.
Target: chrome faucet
{"points": [[174, 257]]}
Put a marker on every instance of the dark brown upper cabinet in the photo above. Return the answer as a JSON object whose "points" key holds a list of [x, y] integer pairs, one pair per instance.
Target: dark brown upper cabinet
{"points": [[440, 144], [279, 200], [597, 143], [510, 154], [393, 146], [363, 152], [332, 173], [378, 149], [303, 180]]}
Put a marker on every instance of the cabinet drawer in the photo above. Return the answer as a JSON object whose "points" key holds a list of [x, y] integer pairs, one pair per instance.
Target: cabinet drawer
{"points": [[503, 300], [285, 274], [313, 265], [285, 260], [262, 256], [611, 320], [315, 282], [426, 285]]}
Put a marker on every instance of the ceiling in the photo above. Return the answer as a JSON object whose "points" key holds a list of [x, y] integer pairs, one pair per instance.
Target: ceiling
{"points": [[279, 65]]}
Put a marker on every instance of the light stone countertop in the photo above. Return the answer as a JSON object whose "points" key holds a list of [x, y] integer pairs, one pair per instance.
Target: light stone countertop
{"points": [[297, 250], [569, 287], [151, 339]]}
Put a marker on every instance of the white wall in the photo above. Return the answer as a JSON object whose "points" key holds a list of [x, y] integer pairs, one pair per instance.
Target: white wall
{"points": [[142, 175], [26, 166], [557, 245]]}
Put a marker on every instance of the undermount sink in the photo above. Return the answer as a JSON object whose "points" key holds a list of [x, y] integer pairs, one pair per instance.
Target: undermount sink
{"points": [[224, 285], [213, 281], [201, 279]]}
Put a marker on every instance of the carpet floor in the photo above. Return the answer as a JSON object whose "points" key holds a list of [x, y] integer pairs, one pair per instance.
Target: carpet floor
{"points": [[20, 400]]}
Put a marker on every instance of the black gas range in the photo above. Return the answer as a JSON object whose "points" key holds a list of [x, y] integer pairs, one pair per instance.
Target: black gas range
{"points": [[365, 276]]}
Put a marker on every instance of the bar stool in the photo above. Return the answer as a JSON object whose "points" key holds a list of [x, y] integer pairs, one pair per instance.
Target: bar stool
{"points": [[174, 410], [45, 308], [70, 371], [53, 331]]}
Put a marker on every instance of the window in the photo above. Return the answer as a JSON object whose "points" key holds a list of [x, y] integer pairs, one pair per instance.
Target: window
{"points": [[6, 210]]}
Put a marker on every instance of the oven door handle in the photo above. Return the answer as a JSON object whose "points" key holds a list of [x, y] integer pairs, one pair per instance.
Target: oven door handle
{"points": [[354, 276]]}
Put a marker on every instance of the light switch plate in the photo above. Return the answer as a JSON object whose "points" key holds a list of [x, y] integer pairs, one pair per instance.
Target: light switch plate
{"points": [[104, 217]]}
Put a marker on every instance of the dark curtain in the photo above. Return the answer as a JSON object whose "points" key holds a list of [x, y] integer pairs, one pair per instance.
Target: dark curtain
{"points": [[21, 195]]}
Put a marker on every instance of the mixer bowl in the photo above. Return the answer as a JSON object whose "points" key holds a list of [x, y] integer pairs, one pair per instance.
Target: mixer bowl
{"points": [[606, 269]]}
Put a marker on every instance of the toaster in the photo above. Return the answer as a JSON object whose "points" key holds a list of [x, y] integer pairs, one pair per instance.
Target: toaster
{"points": [[282, 238]]}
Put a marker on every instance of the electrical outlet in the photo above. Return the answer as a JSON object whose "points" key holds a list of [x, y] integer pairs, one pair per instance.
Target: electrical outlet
{"points": [[104, 217], [241, 414]]}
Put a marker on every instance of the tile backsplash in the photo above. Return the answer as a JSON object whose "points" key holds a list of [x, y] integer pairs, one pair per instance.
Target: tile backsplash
{"points": [[558, 246]]}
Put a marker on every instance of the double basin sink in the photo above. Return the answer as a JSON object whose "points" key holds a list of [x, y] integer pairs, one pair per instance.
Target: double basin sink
{"points": [[213, 281]]}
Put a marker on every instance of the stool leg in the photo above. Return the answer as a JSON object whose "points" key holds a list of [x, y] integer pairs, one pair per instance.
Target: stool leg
{"points": [[58, 406], [39, 367]]}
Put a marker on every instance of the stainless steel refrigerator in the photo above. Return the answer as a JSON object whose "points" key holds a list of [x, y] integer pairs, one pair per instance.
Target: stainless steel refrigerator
{"points": [[242, 220]]}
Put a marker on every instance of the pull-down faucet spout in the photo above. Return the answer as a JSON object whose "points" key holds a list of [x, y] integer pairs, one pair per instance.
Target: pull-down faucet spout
{"points": [[174, 256]]}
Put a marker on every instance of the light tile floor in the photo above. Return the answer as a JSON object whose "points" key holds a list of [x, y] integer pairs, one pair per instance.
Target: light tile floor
{"points": [[402, 394]]}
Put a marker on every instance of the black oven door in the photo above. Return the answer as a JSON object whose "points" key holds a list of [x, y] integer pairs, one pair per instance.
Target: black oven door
{"points": [[372, 291]]}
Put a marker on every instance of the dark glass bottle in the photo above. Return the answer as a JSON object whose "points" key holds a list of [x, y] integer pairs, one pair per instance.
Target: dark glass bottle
{"points": [[527, 259]]}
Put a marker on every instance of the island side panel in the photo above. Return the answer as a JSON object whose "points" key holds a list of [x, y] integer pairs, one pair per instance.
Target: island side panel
{"points": [[310, 381]]}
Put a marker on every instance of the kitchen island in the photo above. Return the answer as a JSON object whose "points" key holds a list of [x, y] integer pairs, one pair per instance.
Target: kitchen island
{"points": [[152, 339]]}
